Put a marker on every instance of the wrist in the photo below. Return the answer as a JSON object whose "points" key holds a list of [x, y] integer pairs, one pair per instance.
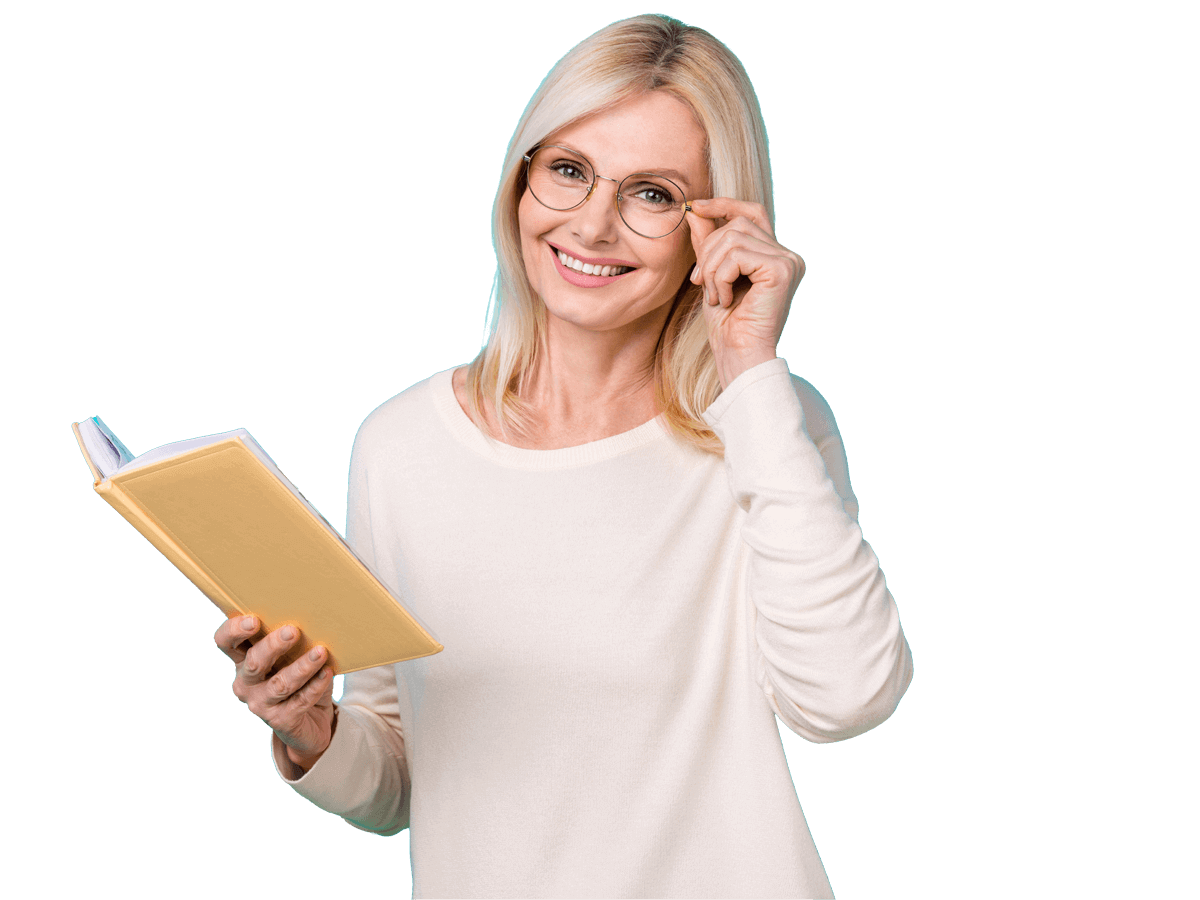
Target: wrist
{"points": [[731, 365], [305, 761]]}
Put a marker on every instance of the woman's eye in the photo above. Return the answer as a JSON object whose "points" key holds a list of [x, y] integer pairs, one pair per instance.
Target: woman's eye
{"points": [[654, 195], [568, 170]]}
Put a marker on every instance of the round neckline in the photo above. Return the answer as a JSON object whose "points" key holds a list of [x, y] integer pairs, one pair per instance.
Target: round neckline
{"points": [[468, 433]]}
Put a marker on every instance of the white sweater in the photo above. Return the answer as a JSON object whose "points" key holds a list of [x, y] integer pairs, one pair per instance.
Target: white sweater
{"points": [[623, 621]]}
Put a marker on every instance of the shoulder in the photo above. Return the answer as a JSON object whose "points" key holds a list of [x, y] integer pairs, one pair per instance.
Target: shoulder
{"points": [[459, 382], [402, 419]]}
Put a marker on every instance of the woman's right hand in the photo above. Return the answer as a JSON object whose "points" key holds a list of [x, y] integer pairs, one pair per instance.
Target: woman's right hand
{"points": [[296, 701]]}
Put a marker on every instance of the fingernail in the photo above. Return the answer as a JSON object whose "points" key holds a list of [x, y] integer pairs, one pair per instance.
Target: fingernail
{"points": [[287, 633], [314, 654], [695, 269], [249, 624]]}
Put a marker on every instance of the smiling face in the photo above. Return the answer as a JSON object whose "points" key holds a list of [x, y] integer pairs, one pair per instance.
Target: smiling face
{"points": [[654, 132]]}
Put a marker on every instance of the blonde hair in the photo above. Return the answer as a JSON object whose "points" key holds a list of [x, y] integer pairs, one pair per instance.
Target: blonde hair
{"points": [[624, 60]]}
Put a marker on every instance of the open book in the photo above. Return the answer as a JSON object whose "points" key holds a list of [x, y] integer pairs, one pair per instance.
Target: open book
{"points": [[219, 509]]}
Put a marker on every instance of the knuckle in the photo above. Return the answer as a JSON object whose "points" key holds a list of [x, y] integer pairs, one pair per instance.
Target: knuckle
{"points": [[239, 690], [279, 687]]}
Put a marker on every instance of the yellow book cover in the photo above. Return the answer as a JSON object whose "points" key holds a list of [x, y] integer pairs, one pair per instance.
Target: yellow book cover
{"points": [[222, 512]]}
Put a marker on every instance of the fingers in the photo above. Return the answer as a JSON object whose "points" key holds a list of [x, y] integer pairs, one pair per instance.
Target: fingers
{"points": [[743, 224], [235, 635], [743, 249], [261, 658], [261, 689], [733, 240], [729, 209], [700, 228], [296, 701], [292, 690]]}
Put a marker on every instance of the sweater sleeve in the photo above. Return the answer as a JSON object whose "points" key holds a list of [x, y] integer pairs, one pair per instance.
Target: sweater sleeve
{"points": [[828, 652], [363, 775]]}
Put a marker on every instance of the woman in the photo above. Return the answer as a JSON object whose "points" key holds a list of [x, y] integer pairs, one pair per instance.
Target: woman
{"points": [[630, 526]]}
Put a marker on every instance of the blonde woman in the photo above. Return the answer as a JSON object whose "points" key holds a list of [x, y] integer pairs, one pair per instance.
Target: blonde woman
{"points": [[631, 526]]}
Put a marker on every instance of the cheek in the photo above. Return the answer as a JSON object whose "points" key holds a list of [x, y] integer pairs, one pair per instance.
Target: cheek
{"points": [[529, 228], [674, 268], [530, 220], [683, 258]]}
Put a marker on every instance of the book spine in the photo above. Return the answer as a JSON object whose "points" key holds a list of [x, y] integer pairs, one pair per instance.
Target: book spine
{"points": [[96, 476]]}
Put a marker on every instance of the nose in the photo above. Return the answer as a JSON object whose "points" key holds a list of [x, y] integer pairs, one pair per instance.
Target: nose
{"points": [[596, 220]]}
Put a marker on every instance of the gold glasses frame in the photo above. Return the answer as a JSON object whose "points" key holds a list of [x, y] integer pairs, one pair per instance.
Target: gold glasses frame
{"points": [[684, 205]]}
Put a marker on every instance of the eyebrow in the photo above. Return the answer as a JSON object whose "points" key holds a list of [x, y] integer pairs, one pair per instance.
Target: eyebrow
{"points": [[665, 173]]}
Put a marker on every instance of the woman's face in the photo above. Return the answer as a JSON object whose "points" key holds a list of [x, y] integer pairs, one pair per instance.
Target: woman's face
{"points": [[652, 133]]}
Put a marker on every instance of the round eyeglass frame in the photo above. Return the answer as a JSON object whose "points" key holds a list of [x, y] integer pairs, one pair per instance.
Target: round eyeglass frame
{"points": [[596, 176]]}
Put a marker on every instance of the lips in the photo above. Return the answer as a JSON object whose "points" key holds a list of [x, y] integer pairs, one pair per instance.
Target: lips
{"points": [[586, 261], [579, 279]]}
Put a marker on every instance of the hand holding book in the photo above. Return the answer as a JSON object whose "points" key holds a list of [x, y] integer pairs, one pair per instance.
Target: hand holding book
{"points": [[297, 700]]}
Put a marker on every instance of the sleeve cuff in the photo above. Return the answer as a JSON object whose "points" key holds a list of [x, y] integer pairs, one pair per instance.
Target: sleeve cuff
{"points": [[770, 369], [360, 776], [288, 770]]}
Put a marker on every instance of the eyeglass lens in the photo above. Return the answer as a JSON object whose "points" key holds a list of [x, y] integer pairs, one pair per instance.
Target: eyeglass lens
{"points": [[649, 204]]}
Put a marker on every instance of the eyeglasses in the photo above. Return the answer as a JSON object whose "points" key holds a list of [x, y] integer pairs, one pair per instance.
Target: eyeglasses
{"points": [[561, 178]]}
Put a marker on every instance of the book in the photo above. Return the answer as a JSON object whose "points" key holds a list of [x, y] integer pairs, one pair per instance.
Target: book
{"points": [[219, 509]]}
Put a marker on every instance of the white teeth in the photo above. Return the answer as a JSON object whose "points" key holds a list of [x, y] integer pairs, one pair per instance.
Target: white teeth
{"points": [[587, 268]]}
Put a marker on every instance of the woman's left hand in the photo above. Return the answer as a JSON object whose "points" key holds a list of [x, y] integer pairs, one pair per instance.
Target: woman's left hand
{"points": [[749, 279]]}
